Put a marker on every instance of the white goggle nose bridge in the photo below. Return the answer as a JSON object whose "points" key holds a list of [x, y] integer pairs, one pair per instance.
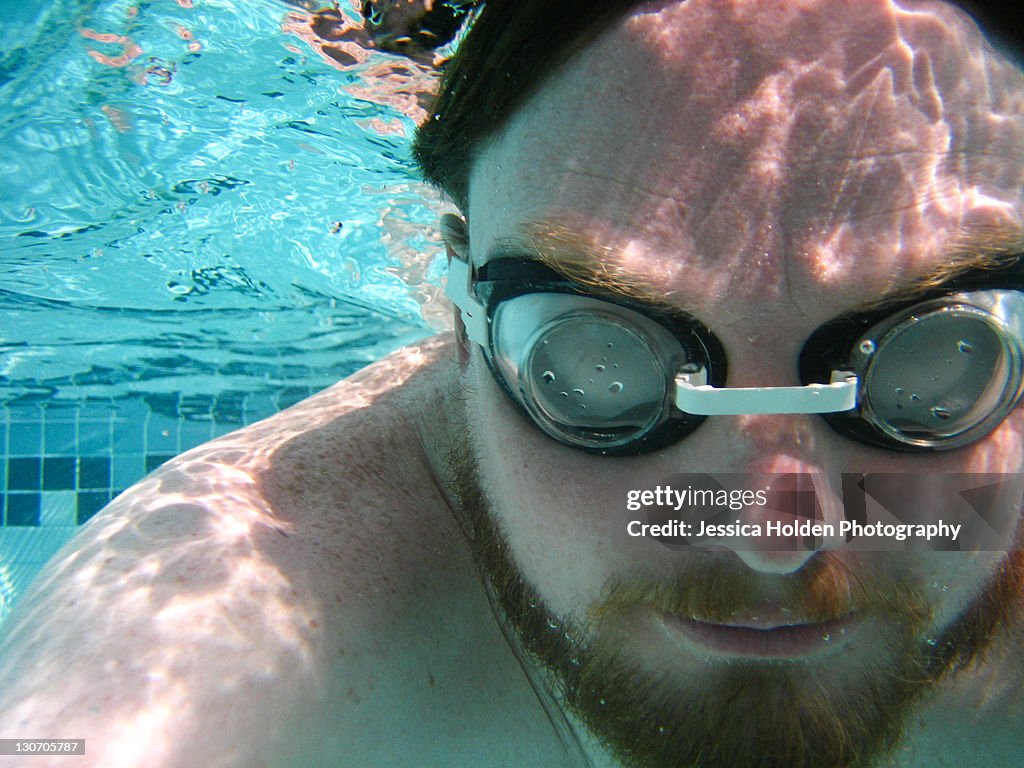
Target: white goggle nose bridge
{"points": [[693, 394]]}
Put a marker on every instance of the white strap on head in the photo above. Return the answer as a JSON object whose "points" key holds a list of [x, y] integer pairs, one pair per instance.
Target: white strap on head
{"points": [[704, 400], [458, 289]]}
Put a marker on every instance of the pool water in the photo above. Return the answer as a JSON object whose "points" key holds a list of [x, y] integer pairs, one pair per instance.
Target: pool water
{"points": [[206, 216]]}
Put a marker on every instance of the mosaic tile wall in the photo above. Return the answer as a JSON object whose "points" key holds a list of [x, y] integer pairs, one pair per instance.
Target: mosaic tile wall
{"points": [[60, 464]]}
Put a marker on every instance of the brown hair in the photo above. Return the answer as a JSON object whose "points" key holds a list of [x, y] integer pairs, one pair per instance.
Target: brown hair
{"points": [[515, 45], [512, 48]]}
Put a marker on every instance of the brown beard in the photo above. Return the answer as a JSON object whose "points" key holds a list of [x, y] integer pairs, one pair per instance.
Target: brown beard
{"points": [[748, 713]]}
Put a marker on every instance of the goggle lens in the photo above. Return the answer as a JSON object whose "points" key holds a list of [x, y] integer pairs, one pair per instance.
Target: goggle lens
{"points": [[609, 376], [592, 380], [940, 375]]}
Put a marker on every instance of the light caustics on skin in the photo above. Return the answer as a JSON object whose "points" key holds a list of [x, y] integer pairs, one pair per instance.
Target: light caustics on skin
{"points": [[168, 594], [768, 167], [188, 565], [805, 143]]}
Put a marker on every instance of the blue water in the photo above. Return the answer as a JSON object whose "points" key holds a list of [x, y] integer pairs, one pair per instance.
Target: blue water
{"points": [[198, 206]]}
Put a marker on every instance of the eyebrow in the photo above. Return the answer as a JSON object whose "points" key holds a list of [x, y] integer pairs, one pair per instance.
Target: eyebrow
{"points": [[581, 260], [593, 264], [972, 255]]}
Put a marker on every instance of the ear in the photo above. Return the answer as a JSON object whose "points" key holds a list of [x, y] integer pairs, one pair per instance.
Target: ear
{"points": [[455, 234]]}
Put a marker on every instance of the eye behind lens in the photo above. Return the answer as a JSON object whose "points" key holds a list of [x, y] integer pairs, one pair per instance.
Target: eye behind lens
{"points": [[942, 377], [593, 381]]}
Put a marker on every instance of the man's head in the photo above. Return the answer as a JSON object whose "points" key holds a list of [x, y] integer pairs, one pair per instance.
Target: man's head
{"points": [[754, 169]]}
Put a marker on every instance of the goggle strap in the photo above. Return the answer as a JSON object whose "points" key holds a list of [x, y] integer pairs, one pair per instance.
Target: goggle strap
{"points": [[693, 396], [459, 290]]}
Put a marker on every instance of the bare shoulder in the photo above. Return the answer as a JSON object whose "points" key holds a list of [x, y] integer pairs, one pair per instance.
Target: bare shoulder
{"points": [[290, 594]]}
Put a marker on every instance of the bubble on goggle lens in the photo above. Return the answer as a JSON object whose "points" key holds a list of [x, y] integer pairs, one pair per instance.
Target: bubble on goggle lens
{"points": [[939, 375], [593, 380]]}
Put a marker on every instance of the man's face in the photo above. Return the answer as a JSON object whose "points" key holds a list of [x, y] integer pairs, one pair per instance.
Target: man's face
{"points": [[764, 167]]}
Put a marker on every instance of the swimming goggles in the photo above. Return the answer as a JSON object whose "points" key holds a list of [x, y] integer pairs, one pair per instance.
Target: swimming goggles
{"points": [[612, 376]]}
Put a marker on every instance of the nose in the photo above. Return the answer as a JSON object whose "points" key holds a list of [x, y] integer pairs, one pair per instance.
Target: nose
{"points": [[792, 507], [785, 520]]}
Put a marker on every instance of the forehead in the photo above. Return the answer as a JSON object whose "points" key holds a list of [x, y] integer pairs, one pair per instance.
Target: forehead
{"points": [[771, 151]]}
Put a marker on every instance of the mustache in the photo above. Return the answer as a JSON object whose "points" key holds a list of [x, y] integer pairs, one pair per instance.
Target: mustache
{"points": [[715, 589]]}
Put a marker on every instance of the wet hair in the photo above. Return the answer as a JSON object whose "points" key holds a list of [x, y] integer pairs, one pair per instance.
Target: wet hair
{"points": [[514, 46]]}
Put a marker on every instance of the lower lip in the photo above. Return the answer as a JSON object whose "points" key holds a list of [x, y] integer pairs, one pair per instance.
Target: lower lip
{"points": [[780, 642]]}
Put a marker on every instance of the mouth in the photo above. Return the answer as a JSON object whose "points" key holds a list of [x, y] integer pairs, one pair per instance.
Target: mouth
{"points": [[762, 637]]}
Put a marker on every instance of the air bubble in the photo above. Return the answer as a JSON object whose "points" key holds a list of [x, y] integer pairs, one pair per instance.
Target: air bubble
{"points": [[548, 376], [599, 368], [915, 397], [965, 346], [615, 387], [931, 642], [940, 413], [826, 637], [578, 392], [563, 394], [867, 347]]}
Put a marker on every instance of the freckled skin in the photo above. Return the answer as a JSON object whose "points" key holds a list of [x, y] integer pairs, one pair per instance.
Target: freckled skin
{"points": [[301, 592]]}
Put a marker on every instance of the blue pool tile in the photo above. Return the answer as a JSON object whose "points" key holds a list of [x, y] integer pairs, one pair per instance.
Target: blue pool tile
{"points": [[60, 438], [227, 407], [289, 396], [25, 439], [164, 404], [195, 433], [58, 473], [257, 406], [29, 413], [89, 503], [154, 460], [93, 472], [58, 510], [129, 436], [24, 474], [53, 540], [196, 406], [128, 469], [224, 428], [23, 509], [93, 437], [97, 410], [161, 435]]}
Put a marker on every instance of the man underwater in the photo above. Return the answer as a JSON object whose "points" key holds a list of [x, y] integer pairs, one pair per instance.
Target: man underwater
{"points": [[699, 238]]}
